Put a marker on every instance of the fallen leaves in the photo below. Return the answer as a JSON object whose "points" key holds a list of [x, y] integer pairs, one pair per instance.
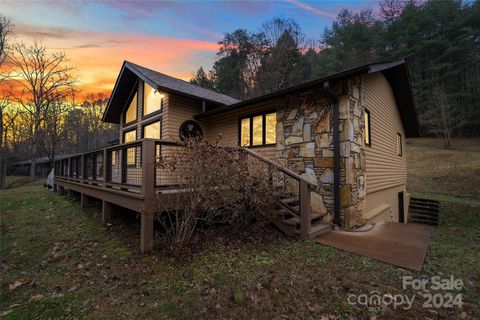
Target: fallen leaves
{"points": [[18, 283]]}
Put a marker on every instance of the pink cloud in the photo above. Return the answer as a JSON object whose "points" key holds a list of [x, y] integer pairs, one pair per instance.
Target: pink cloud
{"points": [[312, 9], [98, 56]]}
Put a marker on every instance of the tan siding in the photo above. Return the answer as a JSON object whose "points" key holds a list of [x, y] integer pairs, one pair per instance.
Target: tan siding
{"points": [[384, 168], [180, 109], [225, 126]]}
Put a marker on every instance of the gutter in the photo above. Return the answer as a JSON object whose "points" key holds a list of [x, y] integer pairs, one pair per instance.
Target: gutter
{"points": [[332, 99]]}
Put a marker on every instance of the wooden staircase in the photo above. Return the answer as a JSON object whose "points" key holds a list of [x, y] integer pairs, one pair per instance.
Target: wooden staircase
{"points": [[288, 219], [424, 211], [294, 215]]}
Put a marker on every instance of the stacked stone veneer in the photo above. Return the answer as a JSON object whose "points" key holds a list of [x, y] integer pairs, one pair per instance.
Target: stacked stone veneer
{"points": [[305, 145]]}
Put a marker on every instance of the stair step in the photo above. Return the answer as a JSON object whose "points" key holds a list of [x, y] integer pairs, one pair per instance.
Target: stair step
{"points": [[317, 229], [294, 221]]}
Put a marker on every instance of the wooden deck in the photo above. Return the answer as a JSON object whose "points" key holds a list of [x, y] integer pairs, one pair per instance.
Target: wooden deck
{"points": [[403, 245], [129, 175]]}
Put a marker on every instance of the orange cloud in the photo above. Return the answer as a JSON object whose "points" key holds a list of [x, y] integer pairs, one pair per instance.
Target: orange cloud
{"points": [[98, 56]]}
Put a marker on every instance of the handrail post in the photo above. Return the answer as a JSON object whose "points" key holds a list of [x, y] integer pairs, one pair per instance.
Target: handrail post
{"points": [[148, 192], [106, 165], [68, 168], [305, 209], [82, 171]]}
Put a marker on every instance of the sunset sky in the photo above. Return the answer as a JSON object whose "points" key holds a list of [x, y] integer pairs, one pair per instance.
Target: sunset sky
{"points": [[174, 37]]}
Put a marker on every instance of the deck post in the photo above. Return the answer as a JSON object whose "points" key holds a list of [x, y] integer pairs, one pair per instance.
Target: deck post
{"points": [[106, 211], [305, 210], [83, 200], [70, 194], [69, 169], [148, 192]]}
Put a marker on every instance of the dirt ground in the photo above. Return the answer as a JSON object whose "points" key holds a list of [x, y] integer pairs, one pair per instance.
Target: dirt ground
{"points": [[60, 262]]}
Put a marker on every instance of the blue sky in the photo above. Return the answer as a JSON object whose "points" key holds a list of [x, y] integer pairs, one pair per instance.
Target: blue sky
{"points": [[175, 37]]}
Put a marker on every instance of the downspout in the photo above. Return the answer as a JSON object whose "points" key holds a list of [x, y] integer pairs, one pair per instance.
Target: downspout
{"points": [[332, 99]]}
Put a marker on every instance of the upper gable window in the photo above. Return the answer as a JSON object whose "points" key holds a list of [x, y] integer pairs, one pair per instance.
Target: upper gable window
{"points": [[131, 113], [152, 100]]}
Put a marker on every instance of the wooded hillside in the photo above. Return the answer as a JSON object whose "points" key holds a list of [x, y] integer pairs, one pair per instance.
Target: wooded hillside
{"points": [[440, 39]]}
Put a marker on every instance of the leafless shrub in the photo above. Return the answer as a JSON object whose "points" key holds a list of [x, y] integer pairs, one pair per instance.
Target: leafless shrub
{"points": [[214, 184]]}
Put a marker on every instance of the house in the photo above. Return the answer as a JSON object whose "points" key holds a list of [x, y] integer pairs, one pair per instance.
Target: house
{"points": [[337, 143]]}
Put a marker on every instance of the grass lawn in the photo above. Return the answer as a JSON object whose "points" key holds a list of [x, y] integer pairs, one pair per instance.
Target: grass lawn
{"points": [[61, 262]]}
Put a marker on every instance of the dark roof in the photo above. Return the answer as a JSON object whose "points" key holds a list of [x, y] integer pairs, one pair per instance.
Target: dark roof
{"points": [[396, 73], [127, 79]]}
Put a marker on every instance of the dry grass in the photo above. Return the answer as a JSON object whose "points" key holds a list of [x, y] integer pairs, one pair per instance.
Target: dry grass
{"points": [[435, 172], [70, 266]]}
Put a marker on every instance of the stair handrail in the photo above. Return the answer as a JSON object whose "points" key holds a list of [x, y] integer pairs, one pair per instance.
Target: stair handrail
{"points": [[304, 192], [279, 167]]}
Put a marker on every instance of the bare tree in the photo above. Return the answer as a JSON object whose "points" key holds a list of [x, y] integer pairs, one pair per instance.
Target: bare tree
{"points": [[43, 79], [54, 119], [8, 118], [5, 31], [442, 119], [99, 132]]}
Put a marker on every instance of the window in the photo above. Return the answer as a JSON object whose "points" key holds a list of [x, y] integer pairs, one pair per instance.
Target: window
{"points": [[129, 136], [245, 132], [258, 129], [270, 128], [190, 130], [367, 132], [152, 130], [152, 99], [399, 144], [131, 113], [257, 134], [114, 158], [132, 156]]}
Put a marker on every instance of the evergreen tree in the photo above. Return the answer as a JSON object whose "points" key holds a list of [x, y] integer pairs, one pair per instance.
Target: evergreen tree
{"points": [[202, 80]]}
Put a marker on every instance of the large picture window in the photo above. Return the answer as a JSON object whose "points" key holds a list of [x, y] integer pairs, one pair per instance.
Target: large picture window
{"points": [[152, 130], [258, 129], [367, 132], [130, 136], [152, 100], [131, 112]]}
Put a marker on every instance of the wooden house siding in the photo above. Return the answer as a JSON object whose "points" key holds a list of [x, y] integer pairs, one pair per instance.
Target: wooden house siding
{"points": [[180, 109], [384, 168], [225, 125]]}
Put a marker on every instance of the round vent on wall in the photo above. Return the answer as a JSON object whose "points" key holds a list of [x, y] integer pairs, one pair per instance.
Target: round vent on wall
{"points": [[190, 130]]}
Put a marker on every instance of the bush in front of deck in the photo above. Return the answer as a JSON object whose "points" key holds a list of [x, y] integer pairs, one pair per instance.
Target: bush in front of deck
{"points": [[215, 185]]}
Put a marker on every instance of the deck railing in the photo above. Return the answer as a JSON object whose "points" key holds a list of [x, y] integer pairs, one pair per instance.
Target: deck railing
{"points": [[132, 167], [294, 184], [129, 167]]}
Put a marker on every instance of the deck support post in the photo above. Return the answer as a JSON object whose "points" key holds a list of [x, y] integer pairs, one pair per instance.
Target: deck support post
{"points": [[148, 192], [146, 232], [106, 211], [70, 194], [305, 210], [83, 200]]}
